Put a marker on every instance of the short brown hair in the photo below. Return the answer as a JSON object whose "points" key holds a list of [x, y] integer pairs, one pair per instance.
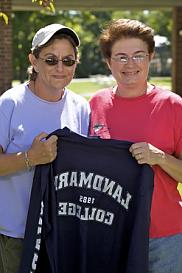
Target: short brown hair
{"points": [[125, 28]]}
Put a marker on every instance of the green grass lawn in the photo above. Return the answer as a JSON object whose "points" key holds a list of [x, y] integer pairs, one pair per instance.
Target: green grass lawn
{"points": [[88, 87], [162, 81]]}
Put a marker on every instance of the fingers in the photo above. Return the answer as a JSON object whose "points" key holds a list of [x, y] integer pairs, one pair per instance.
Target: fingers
{"points": [[139, 151], [145, 152], [43, 150], [52, 139], [50, 148], [41, 136], [51, 145]]}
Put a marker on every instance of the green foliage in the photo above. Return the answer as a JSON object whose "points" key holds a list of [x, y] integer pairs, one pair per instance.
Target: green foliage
{"points": [[47, 4], [4, 16], [159, 20], [88, 25], [89, 86], [25, 24]]}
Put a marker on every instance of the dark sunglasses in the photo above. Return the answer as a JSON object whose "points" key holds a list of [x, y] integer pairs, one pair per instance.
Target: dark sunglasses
{"points": [[54, 61]]}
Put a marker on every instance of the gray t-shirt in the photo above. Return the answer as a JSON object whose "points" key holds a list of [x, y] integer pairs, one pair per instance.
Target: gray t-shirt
{"points": [[23, 116]]}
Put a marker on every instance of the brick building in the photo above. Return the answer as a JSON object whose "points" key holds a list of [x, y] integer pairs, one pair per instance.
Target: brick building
{"points": [[5, 47]]}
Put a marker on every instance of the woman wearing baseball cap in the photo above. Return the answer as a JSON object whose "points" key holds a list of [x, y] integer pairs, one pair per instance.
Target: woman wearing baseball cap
{"points": [[28, 113]]}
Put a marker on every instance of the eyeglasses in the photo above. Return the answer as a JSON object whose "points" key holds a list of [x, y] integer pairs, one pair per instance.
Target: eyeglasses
{"points": [[135, 58], [54, 61]]}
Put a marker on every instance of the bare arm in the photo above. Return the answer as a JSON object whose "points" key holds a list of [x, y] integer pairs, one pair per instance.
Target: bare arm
{"points": [[147, 153], [10, 163], [172, 166], [41, 152]]}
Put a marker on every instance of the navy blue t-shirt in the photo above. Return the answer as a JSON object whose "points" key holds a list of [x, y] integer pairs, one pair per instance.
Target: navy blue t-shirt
{"points": [[89, 210]]}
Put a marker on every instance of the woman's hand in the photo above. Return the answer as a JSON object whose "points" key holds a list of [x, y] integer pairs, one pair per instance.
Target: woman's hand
{"points": [[43, 151], [145, 152]]}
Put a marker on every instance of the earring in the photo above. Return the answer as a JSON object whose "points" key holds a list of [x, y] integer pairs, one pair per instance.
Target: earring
{"points": [[36, 70]]}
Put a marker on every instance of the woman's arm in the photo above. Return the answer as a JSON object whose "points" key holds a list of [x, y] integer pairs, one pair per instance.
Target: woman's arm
{"points": [[147, 153], [41, 152]]}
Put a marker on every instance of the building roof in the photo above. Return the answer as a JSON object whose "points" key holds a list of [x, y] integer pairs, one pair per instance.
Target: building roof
{"points": [[98, 4]]}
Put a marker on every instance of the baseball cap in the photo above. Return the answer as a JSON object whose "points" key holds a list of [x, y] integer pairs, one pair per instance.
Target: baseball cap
{"points": [[44, 34]]}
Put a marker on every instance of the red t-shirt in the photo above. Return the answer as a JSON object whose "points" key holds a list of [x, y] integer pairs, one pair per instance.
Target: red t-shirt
{"points": [[155, 118]]}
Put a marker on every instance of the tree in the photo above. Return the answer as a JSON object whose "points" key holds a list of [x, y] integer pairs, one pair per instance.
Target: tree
{"points": [[88, 25], [4, 16], [48, 4], [25, 24], [91, 60], [159, 20]]}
